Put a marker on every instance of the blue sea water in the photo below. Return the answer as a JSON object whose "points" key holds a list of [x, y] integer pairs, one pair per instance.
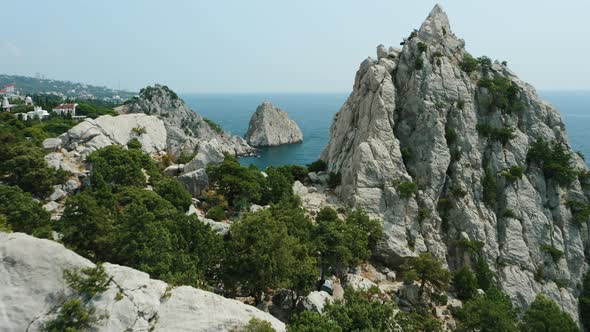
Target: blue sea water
{"points": [[314, 114]]}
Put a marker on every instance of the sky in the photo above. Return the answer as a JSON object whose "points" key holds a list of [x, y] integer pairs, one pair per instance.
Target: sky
{"points": [[241, 46]]}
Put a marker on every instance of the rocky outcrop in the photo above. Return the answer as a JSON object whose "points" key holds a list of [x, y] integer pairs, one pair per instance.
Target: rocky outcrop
{"points": [[186, 129], [412, 148], [196, 182], [94, 134], [33, 288], [269, 126]]}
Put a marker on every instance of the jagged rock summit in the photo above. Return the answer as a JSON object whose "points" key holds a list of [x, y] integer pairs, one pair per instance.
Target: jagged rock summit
{"points": [[270, 126], [186, 129], [33, 289], [442, 147]]}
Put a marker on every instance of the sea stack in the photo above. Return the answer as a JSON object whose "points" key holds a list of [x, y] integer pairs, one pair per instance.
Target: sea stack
{"points": [[453, 153], [270, 126]]}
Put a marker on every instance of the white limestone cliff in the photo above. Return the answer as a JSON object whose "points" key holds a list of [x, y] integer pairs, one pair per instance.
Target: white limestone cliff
{"points": [[412, 117], [32, 288]]}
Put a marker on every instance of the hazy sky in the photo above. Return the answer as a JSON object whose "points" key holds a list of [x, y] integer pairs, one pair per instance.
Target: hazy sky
{"points": [[276, 45]]}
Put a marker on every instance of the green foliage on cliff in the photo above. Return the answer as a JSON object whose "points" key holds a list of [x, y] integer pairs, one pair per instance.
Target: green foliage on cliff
{"points": [[544, 315], [554, 160], [22, 213], [490, 312]]}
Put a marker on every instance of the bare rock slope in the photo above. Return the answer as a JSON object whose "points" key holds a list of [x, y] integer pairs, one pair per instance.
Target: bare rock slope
{"points": [[270, 126], [439, 151], [186, 129], [32, 289]]}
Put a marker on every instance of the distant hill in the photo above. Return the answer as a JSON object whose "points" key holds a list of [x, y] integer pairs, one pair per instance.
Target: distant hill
{"points": [[36, 86]]}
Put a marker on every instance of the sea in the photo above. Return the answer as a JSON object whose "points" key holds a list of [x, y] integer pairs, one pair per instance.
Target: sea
{"points": [[314, 113]]}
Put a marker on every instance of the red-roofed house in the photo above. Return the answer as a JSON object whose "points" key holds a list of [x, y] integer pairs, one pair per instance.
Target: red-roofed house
{"points": [[9, 89], [66, 109]]}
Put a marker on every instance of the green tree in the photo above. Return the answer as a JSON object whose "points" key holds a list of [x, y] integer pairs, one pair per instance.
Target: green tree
{"points": [[22, 213], [344, 243], [279, 184], [310, 321], [174, 192], [465, 283], [86, 226], [429, 271], [361, 312], [255, 325], [260, 254], [240, 185], [554, 159], [492, 312], [544, 315], [73, 316], [24, 165]]}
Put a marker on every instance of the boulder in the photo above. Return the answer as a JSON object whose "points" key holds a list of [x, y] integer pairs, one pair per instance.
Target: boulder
{"points": [[207, 153], [94, 134], [358, 282], [174, 170], [315, 301], [196, 182], [33, 288], [52, 144], [269, 126]]}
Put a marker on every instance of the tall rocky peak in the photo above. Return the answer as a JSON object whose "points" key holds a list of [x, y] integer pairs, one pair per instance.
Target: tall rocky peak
{"points": [[435, 143], [185, 127], [270, 126]]}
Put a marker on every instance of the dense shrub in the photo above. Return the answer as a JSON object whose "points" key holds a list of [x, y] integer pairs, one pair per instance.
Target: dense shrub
{"points": [[468, 64], [418, 63], [334, 179], [174, 192], [555, 253], [311, 321], [119, 167], [555, 161], [580, 211], [451, 135], [504, 94], [87, 281], [428, 270], [216, 213], [22, 213], [345, 243], [73, 316], [278, 185], [317, 166], [86, 226], [23, 164], [544, 315], [491, 312], [259, 244], [422, 47], [490, 190], [513, 173], [255, 325], [240, 185], [298, 173], [185, 157], [502, 135], [406, 189], [465, 284]]}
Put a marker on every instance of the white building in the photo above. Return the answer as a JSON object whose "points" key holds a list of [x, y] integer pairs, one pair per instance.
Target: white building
{"points": [[66, 109], [6, 105], [38, 112], [28, 101]]}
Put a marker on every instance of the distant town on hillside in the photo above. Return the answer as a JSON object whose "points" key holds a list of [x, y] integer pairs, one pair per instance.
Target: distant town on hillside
{"points": [[24, 85]]}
